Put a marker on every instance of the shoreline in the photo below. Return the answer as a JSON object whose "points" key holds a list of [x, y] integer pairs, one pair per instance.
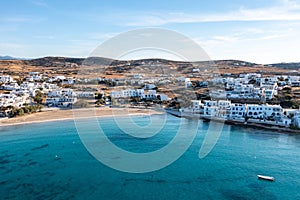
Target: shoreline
{"points": [[279, 129], [56, 115], [65, 115]]}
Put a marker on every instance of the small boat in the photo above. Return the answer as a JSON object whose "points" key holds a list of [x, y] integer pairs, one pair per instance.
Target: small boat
{"points": [[268, 178]]}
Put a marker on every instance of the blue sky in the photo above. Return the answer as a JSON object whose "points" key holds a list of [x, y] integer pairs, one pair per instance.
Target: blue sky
{"points": [[258, 31]]}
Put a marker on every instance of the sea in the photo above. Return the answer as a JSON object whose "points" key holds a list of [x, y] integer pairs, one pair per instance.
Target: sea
{"points": [[50, 161]]}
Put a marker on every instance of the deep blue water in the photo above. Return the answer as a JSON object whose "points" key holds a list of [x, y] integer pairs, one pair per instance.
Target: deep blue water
{"points": [[49, 161]]}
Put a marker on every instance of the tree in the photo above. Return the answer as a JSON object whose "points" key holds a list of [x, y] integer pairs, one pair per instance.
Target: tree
{"points": [[38, 98], [98, 96], [20, 112], [100, 102]]}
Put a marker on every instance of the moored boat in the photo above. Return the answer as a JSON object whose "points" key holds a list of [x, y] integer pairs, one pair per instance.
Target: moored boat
{"points": [[268, 178]]}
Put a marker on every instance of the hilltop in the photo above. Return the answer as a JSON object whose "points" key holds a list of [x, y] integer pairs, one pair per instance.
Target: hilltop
{"points": [[70, 66]]}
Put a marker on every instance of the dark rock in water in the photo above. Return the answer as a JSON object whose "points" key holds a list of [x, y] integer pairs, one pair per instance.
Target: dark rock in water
{"points": [[26, 154], [32, 163], [4, 161], [40, 147], [3, 182]]}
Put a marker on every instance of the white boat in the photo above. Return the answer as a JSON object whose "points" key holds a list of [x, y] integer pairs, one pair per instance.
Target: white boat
{"points": [[268, 178]]}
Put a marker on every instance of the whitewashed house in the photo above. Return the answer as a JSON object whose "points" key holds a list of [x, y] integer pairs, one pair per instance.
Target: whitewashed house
{"points": [[257, 111], [294, 81], [181, 79], [197, 105], [210, 111], [56, 78], [137, 76], [237, 111], [68, 81], [187, 82], [61, 101], [61, 92], [224, 104], [127, 93], [10, 86], [269, 91], [12, 100], [6, 79], [85, 94], [210, 103], [150, 95], [149, 87], [296, 120], [210, 108], [162, 97]]}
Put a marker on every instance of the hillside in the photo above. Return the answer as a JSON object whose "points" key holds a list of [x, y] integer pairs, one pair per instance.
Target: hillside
{"points": [[70, 66], [291, 66]]}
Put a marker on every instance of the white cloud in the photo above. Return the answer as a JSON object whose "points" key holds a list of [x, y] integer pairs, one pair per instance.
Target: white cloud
{"points": [[21, 19], [5, 45], [46, 37], [40, 3], [286, 11], [101, 36]]}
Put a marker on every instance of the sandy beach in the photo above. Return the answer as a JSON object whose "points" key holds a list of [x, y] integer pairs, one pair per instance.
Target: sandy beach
{"points": [[57, 115]]}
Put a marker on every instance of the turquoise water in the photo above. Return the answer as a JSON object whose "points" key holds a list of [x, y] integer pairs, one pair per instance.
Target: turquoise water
{"points": [[48, 161]]}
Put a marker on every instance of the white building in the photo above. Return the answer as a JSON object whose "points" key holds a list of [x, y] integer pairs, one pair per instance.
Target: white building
{"points": [[150, 95], [255, 111], [224, 104], [210, 108], [12, 100], [127, 93], [266, 112], [210, 103], [6, 79], [269, 91], [68, 81], [197, 105], [163, 97], [85, 94], [61, 93], [61, 101], [296, 120], [294, 81], [10, 86], [237, 111], [187, 82], [149, 86], [137, 76], [210, 111]]}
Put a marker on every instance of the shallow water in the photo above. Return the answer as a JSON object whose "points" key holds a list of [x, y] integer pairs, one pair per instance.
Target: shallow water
{"points": [[49, 161]]}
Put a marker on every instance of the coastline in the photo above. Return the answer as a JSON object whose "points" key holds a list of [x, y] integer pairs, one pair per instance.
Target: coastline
{"points": [[280, 129], [63, 115]]}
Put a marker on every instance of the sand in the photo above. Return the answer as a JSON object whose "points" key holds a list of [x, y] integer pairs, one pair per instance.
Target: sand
{"points": [[57, 115]]}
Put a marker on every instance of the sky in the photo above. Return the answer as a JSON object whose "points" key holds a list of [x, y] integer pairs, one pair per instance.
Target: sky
{"points": [[256, 31]]}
